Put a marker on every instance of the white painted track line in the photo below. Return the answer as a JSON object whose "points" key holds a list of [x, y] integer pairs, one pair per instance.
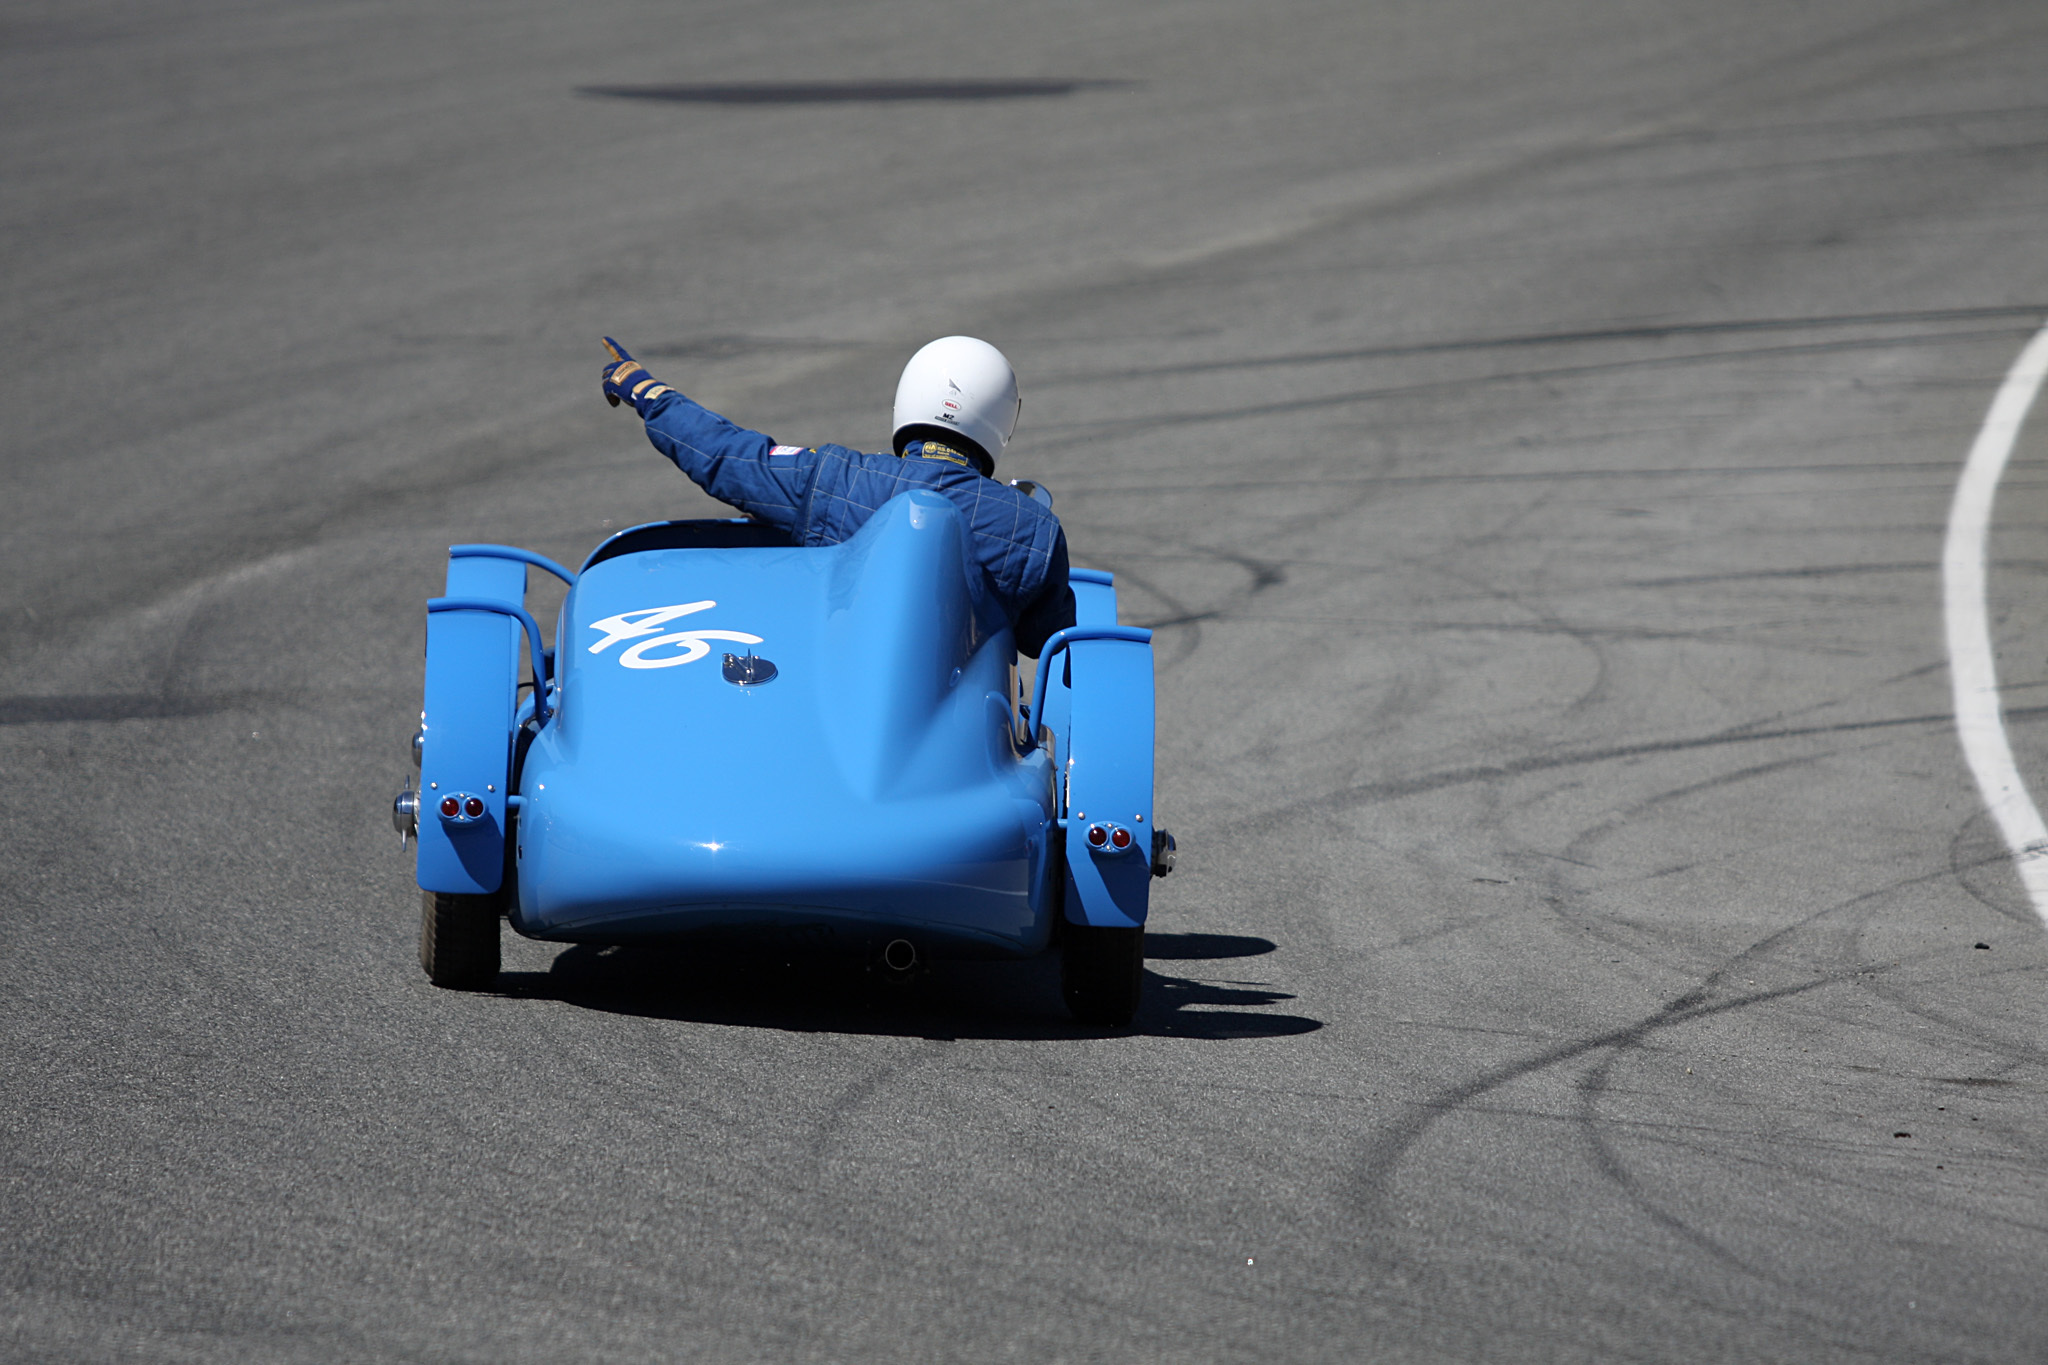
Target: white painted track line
{"points": [[1980, 722]]}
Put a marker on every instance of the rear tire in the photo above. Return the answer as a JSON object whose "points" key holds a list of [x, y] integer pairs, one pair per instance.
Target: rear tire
{"points": [[459, 940], [1102, 973]]}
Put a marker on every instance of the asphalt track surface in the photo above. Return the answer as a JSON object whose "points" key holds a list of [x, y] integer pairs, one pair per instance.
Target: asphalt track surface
{"points": [[1530, 429]]}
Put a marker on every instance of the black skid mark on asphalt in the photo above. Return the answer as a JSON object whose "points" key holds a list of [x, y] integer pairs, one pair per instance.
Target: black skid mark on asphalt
{"points": [[1579, 849], [1608, 1163], [1348, 398], [1865, 162], [1989, 851], [854, 1097], [1595, 336], [1768, 575], [919, 90], [1372, 793], [1967, 1031], [1827, 571], [1709, 635], [1186, 618], [1444, 928], [290, 522], [1931, 666], [1264, 573], [1179, 614], [1731, 779], [1382, 479], [1970, 1031], [1775, 132], [1854, 969], [1546, 620], [193, 648], [1374, 1179], [91, 707]]}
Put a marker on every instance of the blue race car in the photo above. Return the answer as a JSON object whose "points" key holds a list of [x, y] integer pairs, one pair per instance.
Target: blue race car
{"points": [[738, 738]]}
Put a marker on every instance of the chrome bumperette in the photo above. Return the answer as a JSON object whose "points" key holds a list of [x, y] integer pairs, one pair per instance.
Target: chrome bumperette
{"points": [[405, 816], [1164, 852]]}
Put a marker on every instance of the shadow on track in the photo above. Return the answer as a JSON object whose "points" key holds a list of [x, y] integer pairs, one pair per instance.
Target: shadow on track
{"points": [[75, 708], [1006, 1000], [922, 90]]}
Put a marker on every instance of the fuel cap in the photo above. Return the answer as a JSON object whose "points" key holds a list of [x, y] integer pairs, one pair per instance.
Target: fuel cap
{"points": [[748, 670]]}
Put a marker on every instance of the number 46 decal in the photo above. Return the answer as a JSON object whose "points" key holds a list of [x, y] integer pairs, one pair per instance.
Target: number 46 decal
{"points": [[648, 621]]}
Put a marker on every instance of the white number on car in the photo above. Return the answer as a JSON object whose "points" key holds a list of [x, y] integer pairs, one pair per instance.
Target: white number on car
{"points": [[645, 625]]}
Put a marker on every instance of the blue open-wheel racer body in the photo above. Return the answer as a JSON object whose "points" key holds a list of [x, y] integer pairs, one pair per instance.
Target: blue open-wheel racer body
{"points": [[733, 736]]}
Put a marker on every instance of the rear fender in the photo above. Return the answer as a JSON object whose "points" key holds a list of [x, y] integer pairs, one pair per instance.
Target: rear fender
{"points": [[1094, 597], [471, 698], [1105, 765]]}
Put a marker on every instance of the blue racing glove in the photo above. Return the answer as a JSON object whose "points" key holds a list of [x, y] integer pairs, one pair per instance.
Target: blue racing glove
{"points": [[627, 381]]}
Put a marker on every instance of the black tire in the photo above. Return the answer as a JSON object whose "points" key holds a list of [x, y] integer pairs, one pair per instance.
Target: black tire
{"points": [[1102, 973], [459, 940]]}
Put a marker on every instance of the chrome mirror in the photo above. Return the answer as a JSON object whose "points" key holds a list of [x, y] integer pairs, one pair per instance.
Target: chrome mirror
{"points": [[1037, 492]]}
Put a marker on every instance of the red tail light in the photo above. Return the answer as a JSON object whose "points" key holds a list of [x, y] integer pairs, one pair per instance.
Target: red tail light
{"points": [[1121, 839], [450, 807], [1097, 836], [475, 807]]}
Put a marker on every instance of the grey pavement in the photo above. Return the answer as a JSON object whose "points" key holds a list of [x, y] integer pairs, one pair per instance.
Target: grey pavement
{"points": [[1530, 430]]}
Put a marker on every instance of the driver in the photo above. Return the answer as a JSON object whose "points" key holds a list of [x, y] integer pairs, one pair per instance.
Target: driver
{"points": [[956, 406]]}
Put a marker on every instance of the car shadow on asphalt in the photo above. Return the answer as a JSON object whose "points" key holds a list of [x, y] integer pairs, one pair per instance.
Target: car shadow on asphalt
{"points": [[954, 1000]]}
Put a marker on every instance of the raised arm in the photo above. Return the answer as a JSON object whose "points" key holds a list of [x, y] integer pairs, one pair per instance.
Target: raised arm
{"points": [[731, 463]]}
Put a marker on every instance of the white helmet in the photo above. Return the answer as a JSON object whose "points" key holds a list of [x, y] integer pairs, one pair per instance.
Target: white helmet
{"points": [[958, 388]]}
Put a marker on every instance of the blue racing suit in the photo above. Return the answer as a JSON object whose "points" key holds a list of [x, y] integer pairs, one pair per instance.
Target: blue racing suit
{"points": [[822, 496]]}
